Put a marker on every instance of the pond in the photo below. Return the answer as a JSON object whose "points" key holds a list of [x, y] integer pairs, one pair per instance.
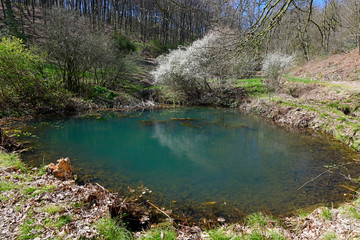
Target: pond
{"points": [[200, 162]]}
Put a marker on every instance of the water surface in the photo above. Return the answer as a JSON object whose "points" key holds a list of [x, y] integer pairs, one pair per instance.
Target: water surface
{"points": [[199, 161]]}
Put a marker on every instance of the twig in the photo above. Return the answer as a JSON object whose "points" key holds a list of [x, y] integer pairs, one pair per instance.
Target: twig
{"points": [[104, 189], [312, 179], [160, 210]]}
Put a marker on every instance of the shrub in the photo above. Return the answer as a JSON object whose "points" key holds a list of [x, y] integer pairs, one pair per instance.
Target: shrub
{"points": [[20, 82], [156, 48], [80, 53], [122, 44], [275, 66]]}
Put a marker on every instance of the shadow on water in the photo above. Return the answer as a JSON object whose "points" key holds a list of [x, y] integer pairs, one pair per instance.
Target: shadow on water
{"points": [[200, 162]]}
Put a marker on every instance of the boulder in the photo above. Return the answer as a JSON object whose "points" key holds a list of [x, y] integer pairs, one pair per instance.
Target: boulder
{"points": [[62, 170]]}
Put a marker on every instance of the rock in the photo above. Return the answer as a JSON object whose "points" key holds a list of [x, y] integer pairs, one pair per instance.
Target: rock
{"points": [[62, 170]]}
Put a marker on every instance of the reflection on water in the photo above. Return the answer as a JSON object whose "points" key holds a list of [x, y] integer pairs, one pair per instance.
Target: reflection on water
{"points": [[197, 156]]}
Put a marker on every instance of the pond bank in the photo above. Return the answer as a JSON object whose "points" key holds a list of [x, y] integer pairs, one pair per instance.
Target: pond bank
{"points": [[323, 223], [34, 205], [329, 107]]}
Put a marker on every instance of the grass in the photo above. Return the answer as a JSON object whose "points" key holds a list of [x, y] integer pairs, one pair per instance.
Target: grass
{"points": [[255, 235], [300, 80], [53, 209], [354, 213], [163, 231], [63, 220], [258, 219], [275, 235], [28, 229], [326, 213], [10, 160], [329, 236], [255, 86], [222, 234], [6, 186], [109, 228], [302, 214]]}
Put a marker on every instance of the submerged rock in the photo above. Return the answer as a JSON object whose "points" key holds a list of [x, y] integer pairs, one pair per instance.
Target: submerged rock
{"points": [[62, 170]]}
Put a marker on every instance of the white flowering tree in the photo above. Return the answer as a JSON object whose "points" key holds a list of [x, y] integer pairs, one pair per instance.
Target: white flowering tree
{"points": [[275, 65], [200, 72]]}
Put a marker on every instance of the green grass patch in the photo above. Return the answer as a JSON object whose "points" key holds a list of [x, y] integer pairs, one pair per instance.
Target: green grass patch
{"points": [[222, 234], [329, 236], [162, 231], [255, 235], [29, 190], [109, 228], [63, 220], [255, 86], [258, 219], [10, 160], [354, 213], [53, 209], [326, 213], [6, 186], [27, 229], [300, 80], [275, 235]]}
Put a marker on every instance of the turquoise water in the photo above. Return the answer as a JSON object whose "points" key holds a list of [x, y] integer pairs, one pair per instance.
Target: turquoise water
{"points": [[198, 161]]}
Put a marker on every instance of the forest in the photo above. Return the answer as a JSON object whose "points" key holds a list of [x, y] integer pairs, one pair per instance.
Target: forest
{"points": [[95, 50]]}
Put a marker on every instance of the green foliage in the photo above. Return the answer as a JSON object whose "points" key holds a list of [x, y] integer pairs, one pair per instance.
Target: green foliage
{"points": [[110, 229], [326, 213], [122, 44], [102, 95], [19, 75], [23, 87], [156, 48]]}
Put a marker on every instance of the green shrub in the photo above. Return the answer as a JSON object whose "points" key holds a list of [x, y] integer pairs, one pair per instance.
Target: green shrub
{"points": [[23, 86], [156, 48], [19, 73], [122, 44]]}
